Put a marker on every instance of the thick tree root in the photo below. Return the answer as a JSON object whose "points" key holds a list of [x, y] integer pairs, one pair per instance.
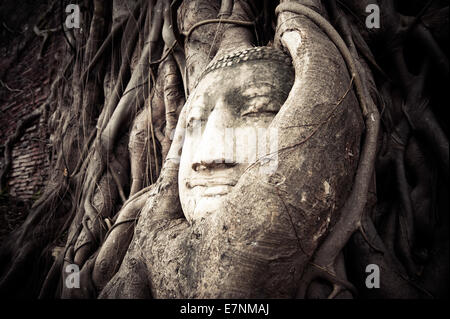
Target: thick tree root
{"points": [[351, 214]]}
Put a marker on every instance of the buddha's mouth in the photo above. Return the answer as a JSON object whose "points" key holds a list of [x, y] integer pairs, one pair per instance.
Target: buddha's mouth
{"points": [[209, 182], [210, 186]]}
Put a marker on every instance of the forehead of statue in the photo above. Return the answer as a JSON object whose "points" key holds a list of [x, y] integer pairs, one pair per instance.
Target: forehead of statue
{"points": [[241, 82], [251, 71]]}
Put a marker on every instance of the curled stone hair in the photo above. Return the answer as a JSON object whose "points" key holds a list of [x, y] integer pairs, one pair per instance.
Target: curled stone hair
{"points": [[247, 55]]}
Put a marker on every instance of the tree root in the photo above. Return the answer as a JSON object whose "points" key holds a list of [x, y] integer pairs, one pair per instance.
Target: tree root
{"points": [[316, 272], [115, 34], [352, 212]]}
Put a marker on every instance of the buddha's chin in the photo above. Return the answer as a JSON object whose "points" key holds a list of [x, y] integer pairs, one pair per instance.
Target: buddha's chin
{"points": [[199, 202], [208, 205], [216, 191], [209, 202]]}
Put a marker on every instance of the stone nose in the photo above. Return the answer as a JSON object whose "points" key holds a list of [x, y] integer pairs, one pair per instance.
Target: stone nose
{"points": [[216, 146]]}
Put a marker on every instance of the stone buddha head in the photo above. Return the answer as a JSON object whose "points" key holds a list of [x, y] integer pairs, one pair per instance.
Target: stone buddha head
{"points": [[227, 121]]}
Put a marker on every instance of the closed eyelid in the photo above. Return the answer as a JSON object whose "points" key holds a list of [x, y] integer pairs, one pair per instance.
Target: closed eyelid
{"points": [[260, 104], [259, 101], [259, 96]]}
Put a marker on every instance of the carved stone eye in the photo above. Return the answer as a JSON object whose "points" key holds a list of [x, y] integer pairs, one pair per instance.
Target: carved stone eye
{"points": [[260, 105]]}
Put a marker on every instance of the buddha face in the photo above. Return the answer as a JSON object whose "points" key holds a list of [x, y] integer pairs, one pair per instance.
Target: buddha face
{"points": [[227, 122]]}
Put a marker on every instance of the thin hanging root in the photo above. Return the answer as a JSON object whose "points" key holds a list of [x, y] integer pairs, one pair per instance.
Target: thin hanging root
{"points": [[83, 153], [208, 21], [118, 184], [316, 272], [116, 179], [337, 289], [226, 8], [152, 131], [122, 115], [406, 215], [116, 32], [351, 214], [45, 34], [123, 77], [166, 53], [6, 86], [369, 241]]}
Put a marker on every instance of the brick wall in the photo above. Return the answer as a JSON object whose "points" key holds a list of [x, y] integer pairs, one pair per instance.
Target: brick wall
{"points": [[26, 85]]}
